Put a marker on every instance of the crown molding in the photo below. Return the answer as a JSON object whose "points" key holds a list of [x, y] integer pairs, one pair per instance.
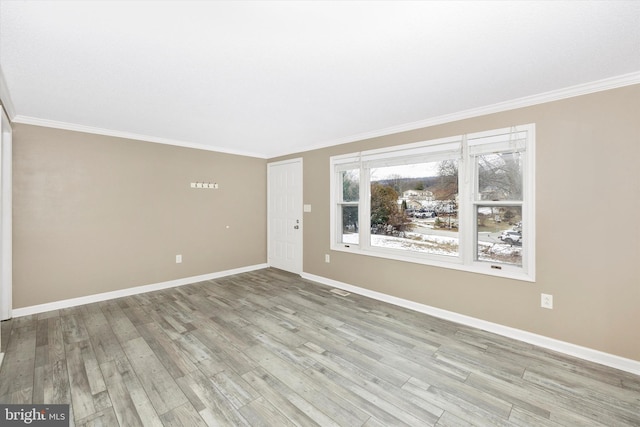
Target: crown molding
{"points": [[128, 135], [527, 101]]}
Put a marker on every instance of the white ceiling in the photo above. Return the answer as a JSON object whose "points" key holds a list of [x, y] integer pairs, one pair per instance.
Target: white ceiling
{"points": [[268, 78]]}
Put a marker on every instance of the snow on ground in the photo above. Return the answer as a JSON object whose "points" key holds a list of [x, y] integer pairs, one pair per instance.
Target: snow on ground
{"points": [[413, 242], [439, 245]]}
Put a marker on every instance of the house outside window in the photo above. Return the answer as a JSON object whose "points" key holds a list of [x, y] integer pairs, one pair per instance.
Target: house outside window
{"points": [[465, 202]]}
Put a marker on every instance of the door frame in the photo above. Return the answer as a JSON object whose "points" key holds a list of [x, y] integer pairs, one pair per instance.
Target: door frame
{"points": [[6, 247], [299, 208]]}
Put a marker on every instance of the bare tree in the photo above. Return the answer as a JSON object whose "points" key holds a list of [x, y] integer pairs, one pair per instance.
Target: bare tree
{"points": [[500, 176], [447, 185], [396, 182]]}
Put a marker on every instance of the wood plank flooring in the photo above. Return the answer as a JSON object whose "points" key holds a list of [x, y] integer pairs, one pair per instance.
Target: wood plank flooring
{"points": [[268, 348]]}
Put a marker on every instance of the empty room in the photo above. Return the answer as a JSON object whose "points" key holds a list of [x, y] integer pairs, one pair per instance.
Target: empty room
{"points": [[319, 213]]}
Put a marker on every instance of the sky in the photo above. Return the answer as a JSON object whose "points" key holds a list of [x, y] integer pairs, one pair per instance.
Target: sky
{"points": [[415, 170]]}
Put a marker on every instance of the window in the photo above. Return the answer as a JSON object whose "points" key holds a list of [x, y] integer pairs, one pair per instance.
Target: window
{"points": [[348, 205], [464, 202]]}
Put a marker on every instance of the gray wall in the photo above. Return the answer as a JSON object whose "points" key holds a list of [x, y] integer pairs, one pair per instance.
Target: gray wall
{"points": [[588, 233], [95, 213]]}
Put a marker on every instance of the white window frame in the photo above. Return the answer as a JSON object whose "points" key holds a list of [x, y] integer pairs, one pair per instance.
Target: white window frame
{"points": [[463, 148]]}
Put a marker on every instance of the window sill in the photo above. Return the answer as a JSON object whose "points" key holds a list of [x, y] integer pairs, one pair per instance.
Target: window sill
{"points": [[452, 263]]}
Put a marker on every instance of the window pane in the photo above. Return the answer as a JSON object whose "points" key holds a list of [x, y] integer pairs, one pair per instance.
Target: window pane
{"points": [[414, 207], [499, 234], [350, 185], [500, 176], [349, 218]]}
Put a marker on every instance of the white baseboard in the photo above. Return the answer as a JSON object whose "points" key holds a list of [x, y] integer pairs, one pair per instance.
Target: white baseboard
{"points": [[57, 305], [611, 360]]}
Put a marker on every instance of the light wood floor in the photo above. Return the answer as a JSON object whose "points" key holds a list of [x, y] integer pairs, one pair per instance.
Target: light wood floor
{"points": [[269, 348]]}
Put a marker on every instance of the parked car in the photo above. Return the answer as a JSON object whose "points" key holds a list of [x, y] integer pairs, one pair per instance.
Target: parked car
{"points": [[425, 213], [512, 237]]}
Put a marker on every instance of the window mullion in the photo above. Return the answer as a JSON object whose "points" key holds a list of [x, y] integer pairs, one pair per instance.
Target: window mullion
{"points": [[365, 207], [466, 194]]}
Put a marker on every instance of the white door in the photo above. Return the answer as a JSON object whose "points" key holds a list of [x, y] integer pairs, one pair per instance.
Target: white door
{"points": [[284, 194]]}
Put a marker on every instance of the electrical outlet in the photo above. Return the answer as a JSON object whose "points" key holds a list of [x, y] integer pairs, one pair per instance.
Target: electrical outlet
{"points": [[546, 301], [178, 259], [327, 258]]}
